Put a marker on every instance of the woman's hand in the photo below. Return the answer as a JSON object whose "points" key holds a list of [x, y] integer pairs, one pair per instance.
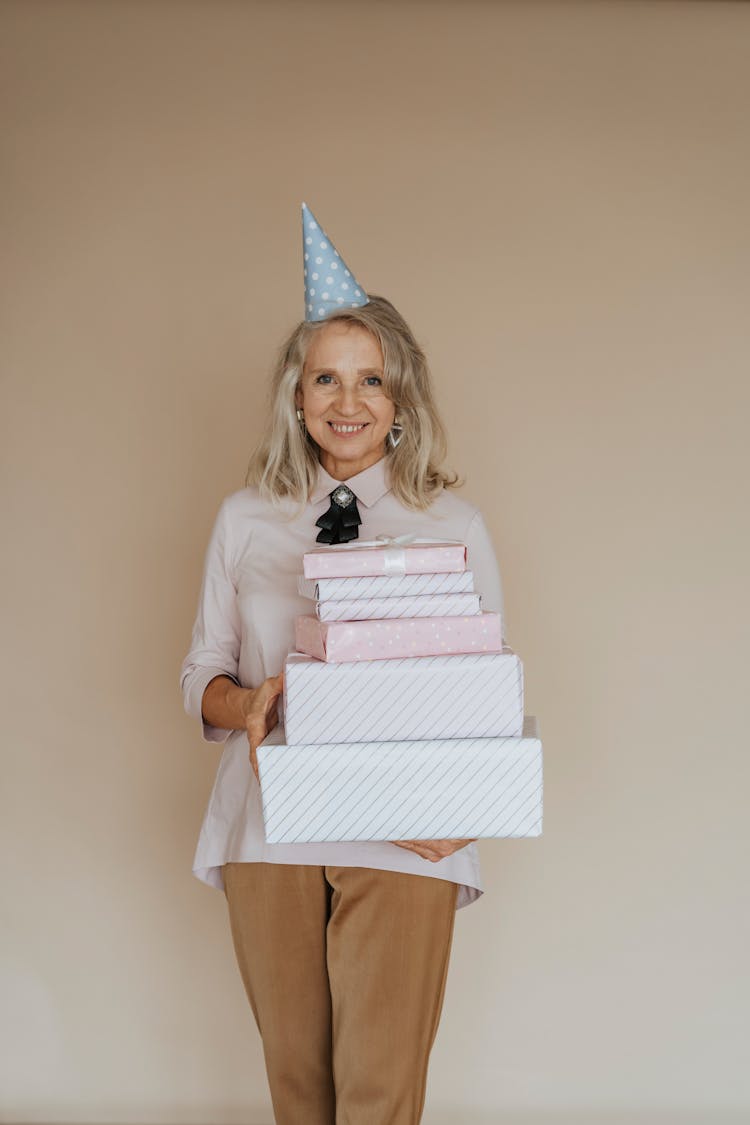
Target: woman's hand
{"points": [[434, 850], [261, 714]]}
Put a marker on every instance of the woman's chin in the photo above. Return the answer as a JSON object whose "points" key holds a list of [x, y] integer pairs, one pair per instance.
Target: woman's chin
{"points": [[337, 458], [357, 445]]}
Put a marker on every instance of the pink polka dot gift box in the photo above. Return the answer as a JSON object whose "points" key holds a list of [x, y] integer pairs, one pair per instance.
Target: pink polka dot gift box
{"points": [[337, 641], [404, 555]]}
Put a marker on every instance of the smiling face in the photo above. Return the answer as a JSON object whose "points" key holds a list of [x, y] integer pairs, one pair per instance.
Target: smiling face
{"points": [[347, 411]]}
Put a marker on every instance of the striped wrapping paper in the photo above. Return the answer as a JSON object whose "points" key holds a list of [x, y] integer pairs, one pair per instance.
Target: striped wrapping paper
{"points": [[420, 605], [474, 695], [385, 586], [427, 790], [389, 639]]}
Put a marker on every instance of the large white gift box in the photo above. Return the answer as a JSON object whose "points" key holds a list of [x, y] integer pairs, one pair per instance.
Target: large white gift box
{"points": [[465, 788], [385, 585], [470, 695]]}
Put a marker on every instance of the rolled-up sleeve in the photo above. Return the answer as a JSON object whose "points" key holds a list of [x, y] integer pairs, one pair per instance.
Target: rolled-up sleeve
{"points": [[483, 562], [215, 645]]}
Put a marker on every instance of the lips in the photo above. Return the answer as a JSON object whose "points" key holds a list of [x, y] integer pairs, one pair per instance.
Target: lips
{"points": [[348, 429]]}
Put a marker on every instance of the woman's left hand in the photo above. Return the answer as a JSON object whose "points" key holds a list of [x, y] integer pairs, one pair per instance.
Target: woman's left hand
{"points": [[434, 850]]}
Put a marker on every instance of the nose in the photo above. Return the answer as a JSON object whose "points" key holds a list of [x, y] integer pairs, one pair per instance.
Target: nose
{"points": [[348, 400]]}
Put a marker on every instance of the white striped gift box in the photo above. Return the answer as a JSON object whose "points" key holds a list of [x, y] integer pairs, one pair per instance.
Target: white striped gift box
{"points": [[472, 695], [385, 586], [420, 605], [426, 790]]}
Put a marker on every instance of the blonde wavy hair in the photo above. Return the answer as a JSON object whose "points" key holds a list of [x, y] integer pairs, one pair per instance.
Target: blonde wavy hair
{"points": [[285, 463]]}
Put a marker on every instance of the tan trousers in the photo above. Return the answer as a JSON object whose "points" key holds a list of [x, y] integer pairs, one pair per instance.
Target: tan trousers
{"points": [[345, 970]]}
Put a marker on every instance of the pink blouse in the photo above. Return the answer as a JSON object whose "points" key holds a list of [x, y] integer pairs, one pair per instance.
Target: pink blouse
{"points": [[244, 628]]}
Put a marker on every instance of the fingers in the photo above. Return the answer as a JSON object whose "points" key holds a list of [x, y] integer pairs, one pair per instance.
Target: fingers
{"points": [[256, 731], [268, 693], [422, 848], [263, 715], [433, 850]]}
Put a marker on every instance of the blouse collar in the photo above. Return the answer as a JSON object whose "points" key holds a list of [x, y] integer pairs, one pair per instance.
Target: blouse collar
{"points": [[368, 486]]}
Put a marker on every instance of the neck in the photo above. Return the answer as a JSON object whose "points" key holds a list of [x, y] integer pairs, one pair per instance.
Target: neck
{"points": [[342, 470]]}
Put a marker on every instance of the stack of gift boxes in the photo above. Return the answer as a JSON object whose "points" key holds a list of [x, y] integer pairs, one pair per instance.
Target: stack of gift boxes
{"points": [[402, 708]]}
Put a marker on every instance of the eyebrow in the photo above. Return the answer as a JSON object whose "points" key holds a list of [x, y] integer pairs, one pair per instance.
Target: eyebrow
{"points": [[362, 370]]}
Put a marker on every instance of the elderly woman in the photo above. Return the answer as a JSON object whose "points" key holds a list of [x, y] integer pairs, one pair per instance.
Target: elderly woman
{"points": [[343, 948]]}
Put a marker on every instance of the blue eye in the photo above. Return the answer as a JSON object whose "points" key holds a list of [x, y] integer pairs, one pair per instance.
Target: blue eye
{"points": [[321, 377], [374, 381]]}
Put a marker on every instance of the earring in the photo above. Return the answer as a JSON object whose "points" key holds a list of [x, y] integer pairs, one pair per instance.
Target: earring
{"points": [[395, 433], [301, 420]]}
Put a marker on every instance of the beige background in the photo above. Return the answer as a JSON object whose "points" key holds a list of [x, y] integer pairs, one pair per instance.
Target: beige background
{"points": [[556, 196]]}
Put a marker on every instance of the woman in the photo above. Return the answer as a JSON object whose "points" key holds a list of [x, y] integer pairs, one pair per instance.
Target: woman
{"points": [[343, 948]]}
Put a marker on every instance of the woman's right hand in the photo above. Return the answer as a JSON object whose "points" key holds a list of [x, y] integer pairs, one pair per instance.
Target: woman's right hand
{"points": [[261, 714]]}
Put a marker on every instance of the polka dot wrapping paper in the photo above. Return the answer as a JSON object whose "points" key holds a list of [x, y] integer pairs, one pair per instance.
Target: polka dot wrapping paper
{"points": [[329, 283], [363, 561], [391, 638]]}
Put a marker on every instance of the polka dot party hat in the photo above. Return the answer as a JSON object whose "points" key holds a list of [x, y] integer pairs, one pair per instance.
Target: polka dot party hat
{"points": [[329, 283]]}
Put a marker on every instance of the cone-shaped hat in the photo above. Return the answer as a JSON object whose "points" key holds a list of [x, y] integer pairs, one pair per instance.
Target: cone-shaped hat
{"points": [[329, 283]]}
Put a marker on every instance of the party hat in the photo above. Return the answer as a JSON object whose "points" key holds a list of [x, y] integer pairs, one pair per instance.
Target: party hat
{"points": [[329, 283]]}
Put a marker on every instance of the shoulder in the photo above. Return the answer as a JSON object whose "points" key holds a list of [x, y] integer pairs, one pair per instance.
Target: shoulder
{"points": [[247, 503], [459, 511], [242, 501], [243, 518]]}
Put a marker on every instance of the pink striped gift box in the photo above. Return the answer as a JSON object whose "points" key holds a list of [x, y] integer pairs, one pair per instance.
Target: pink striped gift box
{"points": [[388, 639]]}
